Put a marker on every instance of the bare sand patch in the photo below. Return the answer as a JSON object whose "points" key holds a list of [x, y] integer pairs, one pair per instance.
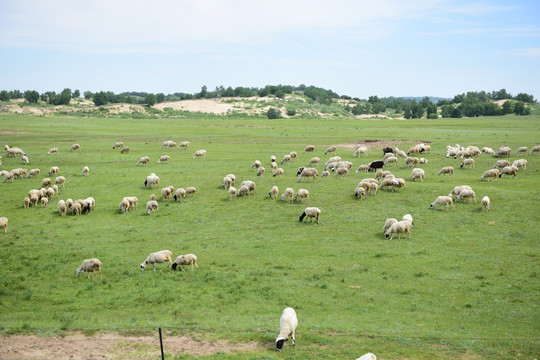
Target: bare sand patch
{"points": [[111, 346], [378, 144], [202, 105]]}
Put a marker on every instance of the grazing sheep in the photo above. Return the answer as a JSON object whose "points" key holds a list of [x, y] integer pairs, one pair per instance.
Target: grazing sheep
{"points": [[181, 194], [54, 170], [4, 224], [293, 154], [153, 197], [391, 159], [415, 150], [75, 147], [522, 149], [184, 144], [76, 208], [423, 161], [90, 265], [360, 192], [273, 165], [402, 226], [273, 192], [119, 144], [359, 151], [417, 173], [272, 159], [250, 185], [69, 203], [288, 195], [287, 326], [168, 144], [124, 205], [331, 148], [368, 356], [488, 150], [163, 158], [311, 212], [446, 170], [503, 151], [191, 190], [535, 149], [501, 164], [62, 208], [341, 171], [26, 202], [286, 158], [46, 182], [374, 165], [199, 153], [152, 206], [469, 162], [314, 161], [386, 182], [387, 150], [25, 159], [157, 258], [14, 151], [412, 161], [227, 182], [256, 164], [188, 259], [407, 217], [133, 201], [33, 172], [125, 150], [232, 192], [307, 173], [309, 148], [260, 171], [278, 172], [509, 170], [325, 174], [466, 194], [520, 163], [167, 192], [362, 167], [399, 153], [85, 171], [143, 160], [243, 190], [387, 223], [442, 200], [233, 178], [302, 194], [491, 173], [332, 159], [459, 189], [398, 183], [485, 203], [50, 193], [53, 150], [60, 180], [387, 155], [152, 181]]}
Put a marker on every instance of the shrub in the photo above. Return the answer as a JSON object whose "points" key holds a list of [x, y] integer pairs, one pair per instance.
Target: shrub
{"points": [[273, 113]]}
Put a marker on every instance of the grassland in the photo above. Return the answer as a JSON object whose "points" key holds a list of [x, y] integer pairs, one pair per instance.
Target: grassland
{"points": [[464, 286]]}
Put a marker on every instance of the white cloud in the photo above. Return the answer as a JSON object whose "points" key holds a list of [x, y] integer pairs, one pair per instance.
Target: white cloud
{"points": [[531, 53]]}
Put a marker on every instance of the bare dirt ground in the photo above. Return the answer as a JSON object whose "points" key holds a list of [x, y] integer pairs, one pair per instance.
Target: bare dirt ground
{"points": [[206, 106], [110, 346], [379, 144]]}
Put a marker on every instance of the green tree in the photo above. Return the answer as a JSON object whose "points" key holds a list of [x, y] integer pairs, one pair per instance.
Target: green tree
{"points": [[519, 108], [431, 111], [507, 107], [150, 100], [65, 97], [526, 98], [100, 98], [425, 102], [76, 93], [4, 95], [15, 94], [160, 98], [32, 96], [203, 93], [273, 113], [88, 95]]}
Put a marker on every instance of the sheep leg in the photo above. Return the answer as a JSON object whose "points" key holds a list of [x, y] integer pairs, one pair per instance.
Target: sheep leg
{"points": [[100, 274], [154, 266], [88, 274], [293, 339]]}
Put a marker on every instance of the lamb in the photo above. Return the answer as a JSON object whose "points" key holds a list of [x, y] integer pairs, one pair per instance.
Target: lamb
{"points": [[191, 190], [423, 161], [60, 180], [85, 171], [90, 265], [163, 158], [53, 150], [4, 224], [412, 161], [309, 148], [302, 194], [485, 203], [227, 182], [308, 172], [143, 160], [331, 148], [278, 172], [287, 326], [491, 173], [54, 170], [509, 170], [535, 149], [119, 144], [151, 206], [446, 170], [188, 259], [184, 144], [288, 194], [501, 164], [157, 258], [125, 150], [243, 190], [26, 202], [374, 165], [314, 161], [152, 181], [168, 144], [391, 159], [311, 212], [273, 166], [488, 150], [442, 200], [273, 192], [402, 226], [167, 192], [260, 171], [466, 194], [520, 163], [256, 164], [362, 167], [250, 185], [325, 174], [458, 189], [200, 153], [417, 174], [46, 182], [293, 154], [359, 151], [133, 201], [75, 147], [272, 159], [387, 223], [522, 149], [469, 162], [181, 194], [368, 356], [232, 192], [62, 208], [286, 158], [341, 171]]}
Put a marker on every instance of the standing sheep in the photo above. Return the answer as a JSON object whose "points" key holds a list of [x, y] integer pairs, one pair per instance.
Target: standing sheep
{"points": [[75, 147], [469, 162], [522, 149], [417, 173], [311, 212], [152, 206], [309, 148], [287, 327], [359, 151], [188, 259], [302, 194], [62, 208], [85, 171], [4, 224], [168, 144], [490, 174], [331, 148], [273, 192], [191, 190], [535, 149], [157, 258], [54, 170], [36, 172], [53, 150], [308, 172], [288, 195], [260, 171], [286, 158], [90, 265], [200, 153], [446, 170], [442, 200], [520, 163], [60, 180], [509, 170], [180, 194], [143, 160], [119, 144], [466, 194], [256, 164], [402, 226], [485, 203], [314, 161], [125, 150], [232, 193], [184, 144], [163, 158]]}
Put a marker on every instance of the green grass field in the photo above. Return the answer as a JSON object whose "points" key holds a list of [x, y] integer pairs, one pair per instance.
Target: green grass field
{"points": [[464, 286]]}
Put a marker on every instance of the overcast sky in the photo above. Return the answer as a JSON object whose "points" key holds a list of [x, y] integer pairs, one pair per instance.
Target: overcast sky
{"points": [[354, 47]]}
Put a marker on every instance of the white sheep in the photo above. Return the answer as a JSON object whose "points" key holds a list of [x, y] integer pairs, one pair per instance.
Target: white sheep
{"points": [[341, 171], [520, 163], [243, 190], [152, 181], [273, 192], [273, 158], [302, 194], [407, 217], [153, 197], [53, 150], [4, 224], [75, 147], [180, 194], [412, 161], [287, 327], [368, 356], [157, 258], [490, 174], [76, 208], [466, 194], [133, 201], [503, 151], [286, 158], [124, 205], [423, 161], [62, 208], [33, 172], [26, 203], [273, 165], [469, 162], [90, 265], [414, 150], [398, 183], [119, 144], [232, 192], [287, 194], [387, 155], [417, 173], [85, 171], [60, 180], [325, 174], [24, 158], [360, 192], [314, 161], [391, 160], [488, 150], [308, 172], [191, 190], [387, 224], [362, 167], [309, 148], [188, 259], [398, 228], [199, 153], [459, 189], [359, 151], [311, 212], [509, 170], [184, 144], [442, 200], [293, 154], [143, 160], [522, 149], [535, 149], [485, 203], [400, 153], [256, 164], [54, 170], [250, 184], [446, 170], [331, 148], [152, 206], [331, 160], [163, 158], [260, 171], [501, 164], [125, 150], [227, 182], [167, 192], [233, 178], [168, 144]]}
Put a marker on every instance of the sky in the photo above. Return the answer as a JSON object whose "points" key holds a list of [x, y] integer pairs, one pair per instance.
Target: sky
{"points": [[353, 47]]}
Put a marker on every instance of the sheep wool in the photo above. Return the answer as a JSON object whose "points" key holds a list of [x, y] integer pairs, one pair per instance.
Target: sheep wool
{"points": [[90, 265], [157, 258], [188, 259], [485, 203], [311, 212], [287, 327], [4, 224], [368, 356]]}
